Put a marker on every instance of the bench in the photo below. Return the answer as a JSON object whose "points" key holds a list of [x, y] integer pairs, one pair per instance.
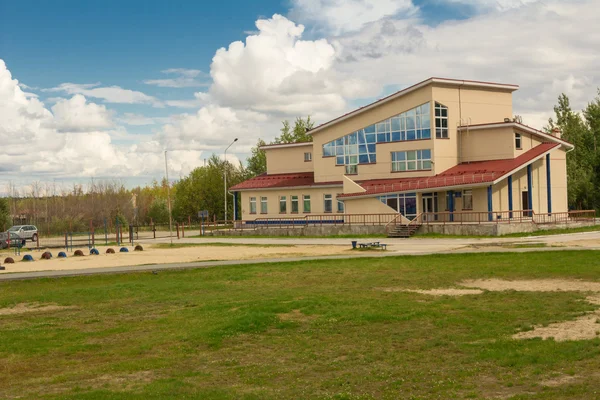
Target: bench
{"points": [[370, 245]]}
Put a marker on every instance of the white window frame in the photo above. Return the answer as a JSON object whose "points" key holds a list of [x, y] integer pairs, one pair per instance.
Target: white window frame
{"points": [[283, 201], [467, 193], [420, 163], [264, 202], [341, 207], [252, 205], [305, 198], [518, 141], [294, 199], [327, 198], [307, 156], [441, 132]]}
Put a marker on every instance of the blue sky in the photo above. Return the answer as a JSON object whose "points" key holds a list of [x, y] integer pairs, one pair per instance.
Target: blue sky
{"points": [[105, 87]]}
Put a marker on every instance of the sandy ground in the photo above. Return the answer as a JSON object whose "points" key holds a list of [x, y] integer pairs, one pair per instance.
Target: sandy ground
{"points": [[163, 256], [583, 328], [23, 308]]}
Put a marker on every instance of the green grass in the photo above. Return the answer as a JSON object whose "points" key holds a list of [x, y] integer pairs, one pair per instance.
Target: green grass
{"points": [[593, 228], [219, 244], [300, 330]]}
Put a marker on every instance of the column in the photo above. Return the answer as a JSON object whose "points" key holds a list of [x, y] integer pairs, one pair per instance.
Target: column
{"points": [[235, 206], [451, 204], [548, 184], [529, 190], [489, 199], [510, 194]]}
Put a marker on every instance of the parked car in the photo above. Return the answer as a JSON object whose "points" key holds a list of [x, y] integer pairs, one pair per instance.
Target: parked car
{"points": [[14, 240], [25, 232]]}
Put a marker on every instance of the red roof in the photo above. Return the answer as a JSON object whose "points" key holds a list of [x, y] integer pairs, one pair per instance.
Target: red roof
{"points": [[273, 181], [473, 173]]}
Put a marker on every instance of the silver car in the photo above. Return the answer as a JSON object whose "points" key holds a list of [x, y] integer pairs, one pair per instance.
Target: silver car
{"points": [[25, 232], [15, 240]]}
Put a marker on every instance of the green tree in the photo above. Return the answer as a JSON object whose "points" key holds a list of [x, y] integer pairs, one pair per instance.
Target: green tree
{"points": [[158, 211], [4, 214], [581, 176], [257, 162]]}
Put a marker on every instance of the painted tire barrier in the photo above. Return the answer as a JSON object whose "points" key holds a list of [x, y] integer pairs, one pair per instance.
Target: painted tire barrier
{"points": [[94, 252], [9, 260], [110, 251], [27, 257], [78, 253], [124, 250], [62, 254], [138, 248], [46, 255]]}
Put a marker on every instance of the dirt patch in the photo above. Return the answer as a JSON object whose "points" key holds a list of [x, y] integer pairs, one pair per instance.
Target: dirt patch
{"points": [[23, 308], [295, 316], [559, 380], [583, 328], [126, 381], [533, 285], [436, 292]]}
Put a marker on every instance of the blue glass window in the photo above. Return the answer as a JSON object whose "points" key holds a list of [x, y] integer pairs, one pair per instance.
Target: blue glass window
{"points": [[412, 160]]}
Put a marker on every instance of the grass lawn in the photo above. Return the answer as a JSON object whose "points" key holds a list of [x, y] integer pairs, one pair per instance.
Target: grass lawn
{"points": [[316, 329], [592, 228]]}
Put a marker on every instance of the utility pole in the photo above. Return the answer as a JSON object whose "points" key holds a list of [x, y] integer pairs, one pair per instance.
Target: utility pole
{"points": [[225, 175], [169, 199]]}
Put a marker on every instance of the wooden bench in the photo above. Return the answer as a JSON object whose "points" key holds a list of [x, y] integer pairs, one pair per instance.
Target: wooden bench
{"points": [[370, 245]]}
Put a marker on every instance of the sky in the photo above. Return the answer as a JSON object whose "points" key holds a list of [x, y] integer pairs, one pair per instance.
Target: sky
{"points": [[101, 89]]}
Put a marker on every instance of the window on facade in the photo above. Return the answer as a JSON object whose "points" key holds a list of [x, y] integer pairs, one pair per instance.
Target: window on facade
{"points": [[282, 205], [294, 201], [467, 199], [441, 121], [307, 156], [263, 205], [306, 203], [328, 203], [340, 206], [359, 147], [252, 205], [405, 204], [518, 140], [351, 169], [414, 160]]}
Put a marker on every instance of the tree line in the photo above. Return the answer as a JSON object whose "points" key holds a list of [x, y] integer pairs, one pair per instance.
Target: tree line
{"points": [[100, 204]]}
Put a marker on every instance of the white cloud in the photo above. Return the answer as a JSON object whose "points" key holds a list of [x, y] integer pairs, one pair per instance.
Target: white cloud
{"points": [[341, 16], [141, 120], [110, 94], [497, 5], [77, 115], [276, 72], [542, 59], [199, 100], [183, 78]]}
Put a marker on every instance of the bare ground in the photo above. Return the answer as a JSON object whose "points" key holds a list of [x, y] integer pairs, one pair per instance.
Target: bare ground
{"points": [[23, 308]]}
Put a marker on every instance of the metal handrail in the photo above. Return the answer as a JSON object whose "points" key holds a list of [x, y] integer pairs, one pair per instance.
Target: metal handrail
{"points": [[427, 182]]}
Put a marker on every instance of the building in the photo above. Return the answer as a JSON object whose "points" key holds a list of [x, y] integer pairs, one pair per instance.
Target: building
{"points": [[443, 149]]}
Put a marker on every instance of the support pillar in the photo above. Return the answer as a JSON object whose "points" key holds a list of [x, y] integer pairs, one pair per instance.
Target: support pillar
{"points": [[489, 199], [529, 190], [235, 206], [548, 184], [451, 204], [510, 199]]}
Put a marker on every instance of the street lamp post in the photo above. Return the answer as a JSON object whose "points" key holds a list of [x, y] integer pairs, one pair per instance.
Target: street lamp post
{"points": [[225, 175], [169, 199]]}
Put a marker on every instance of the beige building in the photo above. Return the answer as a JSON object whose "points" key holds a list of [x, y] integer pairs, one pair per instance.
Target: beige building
{"points": [[443, 149]]}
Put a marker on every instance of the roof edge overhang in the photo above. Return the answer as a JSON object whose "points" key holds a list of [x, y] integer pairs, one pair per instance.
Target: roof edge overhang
{"points": [[288, 187], [285, 145], [403, 92], [517, 126], [424, 190], [520, 167]]}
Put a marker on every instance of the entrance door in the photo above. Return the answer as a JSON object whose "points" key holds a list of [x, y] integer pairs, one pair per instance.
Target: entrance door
{"points": [[428, 208], [525, 203]]}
